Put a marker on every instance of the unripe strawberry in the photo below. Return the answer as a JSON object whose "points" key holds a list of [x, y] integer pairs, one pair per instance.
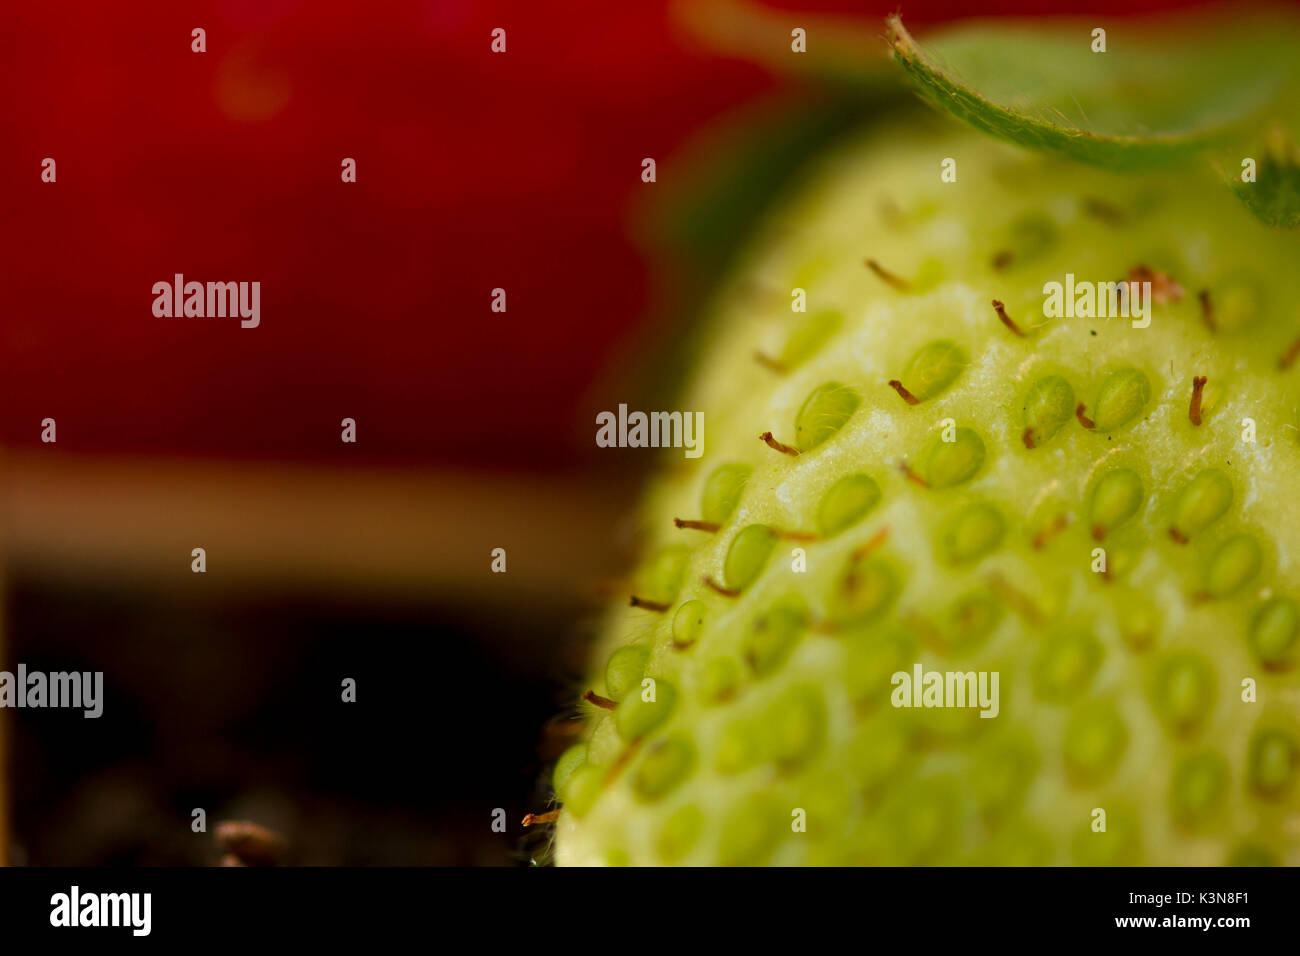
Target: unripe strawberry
{"points": [[1100, 512]]}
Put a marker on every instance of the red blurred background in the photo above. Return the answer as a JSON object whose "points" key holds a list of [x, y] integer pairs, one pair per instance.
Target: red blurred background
{"points": [[475, 171]]}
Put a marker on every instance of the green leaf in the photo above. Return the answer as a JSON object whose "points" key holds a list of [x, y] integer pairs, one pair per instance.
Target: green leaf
{"points": [[1274, 196], [1163, 91]]}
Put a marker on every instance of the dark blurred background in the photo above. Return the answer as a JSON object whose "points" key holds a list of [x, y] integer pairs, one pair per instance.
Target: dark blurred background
{"points": [[368, 560]]}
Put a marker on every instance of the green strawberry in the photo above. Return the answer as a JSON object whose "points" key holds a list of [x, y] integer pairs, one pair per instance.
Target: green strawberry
{"points": [[1102, 514]]}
